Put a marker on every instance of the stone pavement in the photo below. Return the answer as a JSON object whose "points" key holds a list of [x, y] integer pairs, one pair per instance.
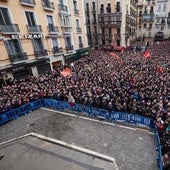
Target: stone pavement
{"points": [[133, 149], [36, 154]]}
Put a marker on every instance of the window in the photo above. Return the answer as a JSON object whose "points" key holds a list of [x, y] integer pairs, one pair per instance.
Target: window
{"points": [[108, 8], [159, 8], [68, 41], [61, 2], [30, 18], [95, 29], [118, 7], [77, 23], [164, 8], [66, 21], [80, 40], [13, 46], [93, 5], [15, 50], [75, 4], [50, 21], [38, 45], [110, 30], [4, 17], [162, 27], [54, 42], [87, 6], [101, 8], [144, 25]]}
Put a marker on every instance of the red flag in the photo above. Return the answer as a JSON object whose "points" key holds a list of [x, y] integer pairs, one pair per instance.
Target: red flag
{"points": [[66, 72], [147, 54], [159, 69], [114, 55]]}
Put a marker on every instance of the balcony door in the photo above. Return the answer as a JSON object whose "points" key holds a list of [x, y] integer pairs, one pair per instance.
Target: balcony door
{"points": [[4, 16], [68, 41], [50, 20], [13, 47], [15, 50], [30, 18], [38, 45]]}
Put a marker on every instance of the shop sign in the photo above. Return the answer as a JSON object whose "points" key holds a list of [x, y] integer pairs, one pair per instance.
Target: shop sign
{"points": [[33, 36], [27, 36]]}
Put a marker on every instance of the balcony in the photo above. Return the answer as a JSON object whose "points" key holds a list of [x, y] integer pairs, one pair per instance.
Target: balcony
{"points": [[69, 48], [66, 30], [47, 5], [9, 29], [112, 19], [34, 29], [76, 11], [30, 3], [18, 57], [148, 17], [81, 45], [40, 53], [63, 7], [57, 50], [78, 29], [52, 29]]}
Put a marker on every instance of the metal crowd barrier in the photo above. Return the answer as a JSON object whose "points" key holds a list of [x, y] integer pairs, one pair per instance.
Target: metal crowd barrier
{"points": [[159, 149], [89, 111]]}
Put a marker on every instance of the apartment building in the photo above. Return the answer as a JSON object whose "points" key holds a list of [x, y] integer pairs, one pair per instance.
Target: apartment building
{"points": [[110, 22], [36, 36], [162, 20], [153, 23]]}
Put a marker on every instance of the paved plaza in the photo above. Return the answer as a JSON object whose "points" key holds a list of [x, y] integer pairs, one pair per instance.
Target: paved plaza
{"points": [[132, 148]]}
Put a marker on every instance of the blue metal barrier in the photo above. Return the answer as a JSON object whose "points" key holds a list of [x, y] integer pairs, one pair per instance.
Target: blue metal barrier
{"points": [[159, 149], [37, 104], [90, 111]]}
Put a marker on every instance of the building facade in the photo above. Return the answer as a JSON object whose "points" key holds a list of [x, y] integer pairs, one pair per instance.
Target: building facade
{"points": [[110, 22], [36, 36], [153, 23]]}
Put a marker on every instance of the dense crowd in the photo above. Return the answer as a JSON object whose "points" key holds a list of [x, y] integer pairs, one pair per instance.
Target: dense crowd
{"points": [[129, 83]]}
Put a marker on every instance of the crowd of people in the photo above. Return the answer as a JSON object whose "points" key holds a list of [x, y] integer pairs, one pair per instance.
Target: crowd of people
{"points": [[129, 82]]}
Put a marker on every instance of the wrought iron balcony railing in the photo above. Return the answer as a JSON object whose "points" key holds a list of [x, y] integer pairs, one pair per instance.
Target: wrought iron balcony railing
{"points": [[81, 45], [57, 49], [76, 11], [18, 57], [63, 7], [9, 29], [27, 2], [48, 5], [69, 48], [34, 28], [52, 29], [78, 29], [40, 53]]}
